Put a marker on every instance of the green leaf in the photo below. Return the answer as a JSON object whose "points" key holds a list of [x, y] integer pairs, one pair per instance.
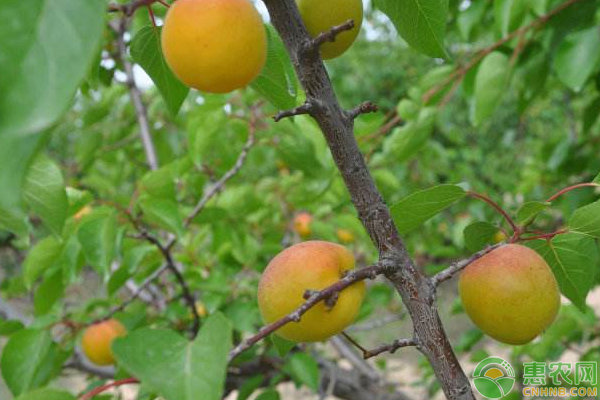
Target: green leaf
{"points": [[471, 17], [43, 58], [29, 360], [97, 236], [249, 386], [14, 221], [415, 209], [586, 220], [304, 369], [270, 394], [282, 346], [490, 85], [422, 23], [159, 183], [164, 213], [406, 141], [45, 193], [146, 50], [577, 56], [277, 81], [591, 114], [479, 234], [193, 367], [529, 211], [47, 394], [9, 327], [597, 179], [509, 15], [574, 261], [41, 258], [48, 293]]}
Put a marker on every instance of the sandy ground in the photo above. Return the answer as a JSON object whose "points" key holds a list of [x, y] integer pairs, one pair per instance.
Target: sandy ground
{"points": [[401, 369]]}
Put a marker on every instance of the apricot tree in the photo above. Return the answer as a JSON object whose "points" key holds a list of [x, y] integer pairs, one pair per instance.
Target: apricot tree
{"points": [[161, 228]]}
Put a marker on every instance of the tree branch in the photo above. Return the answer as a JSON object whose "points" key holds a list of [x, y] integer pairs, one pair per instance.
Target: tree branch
{"points": [[330, 35], [461, 71], [365, 108], [458, 266], [316, 297], [134, 92], [392, 348], [416, 290], [129, 8]]}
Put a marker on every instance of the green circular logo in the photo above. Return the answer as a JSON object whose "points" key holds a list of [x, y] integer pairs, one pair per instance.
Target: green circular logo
{"points": [[494, 378]]}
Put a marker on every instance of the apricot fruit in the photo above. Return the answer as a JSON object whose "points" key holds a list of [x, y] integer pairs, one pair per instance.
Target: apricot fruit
{"points": [[214, 46], [320, 16], [312, 265], [302, 223], [345, 236], [510, 293], [97, 339]]}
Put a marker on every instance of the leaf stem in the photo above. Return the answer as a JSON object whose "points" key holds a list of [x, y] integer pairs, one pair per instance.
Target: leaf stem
{"points": [[101, 389], [570, 188], [496, 206]]}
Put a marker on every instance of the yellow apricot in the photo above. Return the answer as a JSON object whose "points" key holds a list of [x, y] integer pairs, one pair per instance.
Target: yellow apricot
{"points": [[97, 339], [510, 293], [312, 265], [345, 236], [320, 16], [215, 46], [302, 223]]}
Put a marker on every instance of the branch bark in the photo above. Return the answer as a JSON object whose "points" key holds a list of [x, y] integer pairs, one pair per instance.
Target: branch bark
{"points": [[337, 125], [136, 96]]}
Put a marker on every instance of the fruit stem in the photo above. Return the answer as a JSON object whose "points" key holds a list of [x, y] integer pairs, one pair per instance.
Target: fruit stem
{"points": [[570, 188], [101, 389], [496, 206]]}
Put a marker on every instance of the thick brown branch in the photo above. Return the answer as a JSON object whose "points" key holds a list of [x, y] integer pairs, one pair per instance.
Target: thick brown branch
{"points": [[418, 294], [316, 297]]}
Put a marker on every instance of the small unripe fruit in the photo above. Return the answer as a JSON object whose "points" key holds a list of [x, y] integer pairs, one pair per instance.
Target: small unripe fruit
{"points": [[215, 46], [499, 237], [345, 236], [321, 15], [98, 338], [82, 213], [302, 224], [312, 265], [510, 294]]}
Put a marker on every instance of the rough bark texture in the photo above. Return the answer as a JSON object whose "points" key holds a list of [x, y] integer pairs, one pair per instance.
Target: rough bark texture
{"points": [[416, 290]]}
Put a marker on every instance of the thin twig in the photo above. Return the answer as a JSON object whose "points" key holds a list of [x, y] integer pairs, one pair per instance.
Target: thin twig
{"points": [[364, 108], [331, 34], [136, 97], [188, 296], [458, 266], [391, 348], [129, 8], [354, 276], [216, 188], [303, 109], [101, 389], [462, 70], [546, 236]]}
